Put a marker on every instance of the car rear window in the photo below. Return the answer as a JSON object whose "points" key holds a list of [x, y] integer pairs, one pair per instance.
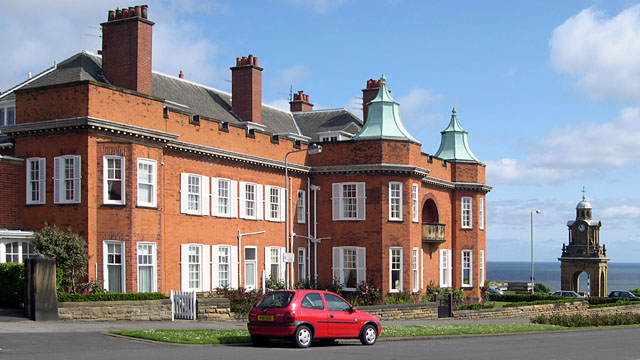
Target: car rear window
{"points": [[276, 299]]}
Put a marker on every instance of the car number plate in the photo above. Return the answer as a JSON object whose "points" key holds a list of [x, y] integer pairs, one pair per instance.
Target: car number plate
{"points": [[265, 317]]}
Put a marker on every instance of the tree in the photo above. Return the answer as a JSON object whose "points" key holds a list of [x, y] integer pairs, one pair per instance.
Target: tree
{"points": [[541, 288], [68, 249]]}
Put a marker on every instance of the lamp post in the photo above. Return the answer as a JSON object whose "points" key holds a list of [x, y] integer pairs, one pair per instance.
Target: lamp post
{"points": [[312, 150], [532, 277]]}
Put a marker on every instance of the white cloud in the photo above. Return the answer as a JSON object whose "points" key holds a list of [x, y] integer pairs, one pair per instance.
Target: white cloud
{"points": [[510, 71], [418, 98], [415, 111], [574, 150], [601, 52], [62, 28], [354, 105], [624, 212], [292, 75]]}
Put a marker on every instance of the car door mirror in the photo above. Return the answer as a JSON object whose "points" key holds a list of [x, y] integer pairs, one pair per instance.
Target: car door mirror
{"points": [[352, 309]]}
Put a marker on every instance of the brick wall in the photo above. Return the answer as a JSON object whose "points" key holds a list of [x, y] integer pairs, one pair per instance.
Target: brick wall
{"points": [[11, 185]]}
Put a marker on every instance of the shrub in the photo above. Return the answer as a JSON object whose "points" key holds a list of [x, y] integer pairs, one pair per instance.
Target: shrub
{"points": [[580, 320], [307, 284], [241, 300], [635, 292], [404, 297], [541, 288], [273, 284], [107, 296], [597, 302], [11, 284], [367, 293], [443, 293], [541, 302], [522, 297]]}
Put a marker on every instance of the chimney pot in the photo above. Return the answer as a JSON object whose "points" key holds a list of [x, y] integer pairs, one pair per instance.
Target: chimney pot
{"points": [[112, 15], [125, 13], [144, 11], [181, 75], [138, 11], [118, 14]]}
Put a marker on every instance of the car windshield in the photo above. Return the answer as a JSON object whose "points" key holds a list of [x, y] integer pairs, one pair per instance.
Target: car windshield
{"points": [[276, 299]]}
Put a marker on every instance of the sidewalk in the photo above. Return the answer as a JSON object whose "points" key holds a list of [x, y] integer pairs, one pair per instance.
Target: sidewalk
{"points": [[13, 322]]}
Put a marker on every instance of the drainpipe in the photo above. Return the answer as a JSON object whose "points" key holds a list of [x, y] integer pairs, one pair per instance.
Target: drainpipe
{"points": [[308, 269], [315, 189]]}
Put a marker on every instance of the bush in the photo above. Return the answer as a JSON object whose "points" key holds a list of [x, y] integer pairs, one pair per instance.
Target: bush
{"points": [[607, 301], [241, 300], [11, 284], [443, 293], [307, 284], [367, 294], [76, 297], [404, 297], [541, 302], [541, 288], [588, 320], [522, 297], [271, 284], [635, 292]]}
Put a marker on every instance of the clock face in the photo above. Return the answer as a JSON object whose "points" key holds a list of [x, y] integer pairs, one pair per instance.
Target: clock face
{"points": [[582, 228]]}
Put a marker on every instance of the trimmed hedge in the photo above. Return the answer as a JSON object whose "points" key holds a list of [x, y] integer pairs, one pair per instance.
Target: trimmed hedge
{"points": [[11, 284], [69, 297], [588, 320], [542, 302], [522, 297]]}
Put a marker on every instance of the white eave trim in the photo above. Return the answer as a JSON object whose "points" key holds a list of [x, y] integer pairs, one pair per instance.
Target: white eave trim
{"points": [[16, 234]]}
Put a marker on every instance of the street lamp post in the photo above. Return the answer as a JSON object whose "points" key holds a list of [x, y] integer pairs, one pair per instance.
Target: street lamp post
{"points": [[532, 276], [312, 150]]}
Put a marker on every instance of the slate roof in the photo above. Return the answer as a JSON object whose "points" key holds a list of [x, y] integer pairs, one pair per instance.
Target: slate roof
{"points": [[202, 100], [313, 122]]}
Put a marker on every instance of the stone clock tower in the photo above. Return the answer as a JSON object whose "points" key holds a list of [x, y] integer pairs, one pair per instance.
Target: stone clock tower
{"points": [[584, 253]]}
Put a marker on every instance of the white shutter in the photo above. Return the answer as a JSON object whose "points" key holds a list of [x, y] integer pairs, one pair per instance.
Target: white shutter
{"points": [[389, 192], [42, 184], [267, 203], [259, 202], [441, 268], [283, 202], [283, 265], [361, 261], [123, 266], [362, 201], [105, 272], [206, 266], [243, 200], [184, 198], [337, 265], [233, 198], [77, 177], [336, 196], [449, 268], [400, 208], [28, 177], [184, 267], [233, 269], [215, 280], [57, 191], [267, 261], [204, 192], [421, 269], [214, 197]]}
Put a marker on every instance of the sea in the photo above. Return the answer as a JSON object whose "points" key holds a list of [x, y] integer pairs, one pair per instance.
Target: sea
{"points": [[622, 276]]}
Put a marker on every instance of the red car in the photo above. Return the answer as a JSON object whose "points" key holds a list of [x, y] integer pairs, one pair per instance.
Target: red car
{"points": [[304, 315]]}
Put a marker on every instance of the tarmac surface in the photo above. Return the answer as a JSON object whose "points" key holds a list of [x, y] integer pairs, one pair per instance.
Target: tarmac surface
{"points": [[13, 321]]}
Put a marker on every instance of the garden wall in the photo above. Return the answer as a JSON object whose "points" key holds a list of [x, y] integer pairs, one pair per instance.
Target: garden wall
{"points": [[208, 309], [581, 307], [403, 312]]}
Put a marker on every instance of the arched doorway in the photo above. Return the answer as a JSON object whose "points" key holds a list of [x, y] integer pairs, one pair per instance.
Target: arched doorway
{"points": [[430, 212], [432, 229]]}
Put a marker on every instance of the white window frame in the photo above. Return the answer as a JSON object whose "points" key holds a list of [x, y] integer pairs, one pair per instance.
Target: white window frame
{"points": [[153, 265], [218, 196], [61, 180], [400, 287], [466, 218], [481, 213], [338, 265], [105, 264], [4, 114], [274, 199], [395, 201], [339, 201], [445, 268], [467, 264], [301, 207], [106, 179], [256, 202], [415, 204], [152, 183], [20, 254], [204, 272], [231, 261], [302, 264], [482, 275], [255, 267], [415, 269], [202, 194], [224, 260], [36, 186], [277, 252]]}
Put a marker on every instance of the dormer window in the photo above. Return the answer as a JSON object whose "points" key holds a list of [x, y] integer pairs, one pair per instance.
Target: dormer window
{"points": [[7, 115]]}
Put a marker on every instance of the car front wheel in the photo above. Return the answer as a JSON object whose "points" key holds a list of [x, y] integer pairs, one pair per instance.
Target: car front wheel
{"points": [[303, 336], [369, 335]]}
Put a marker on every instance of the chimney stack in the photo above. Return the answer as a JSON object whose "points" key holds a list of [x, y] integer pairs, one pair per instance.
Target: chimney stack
{"points": [[300, 102], [126, 49], [246, 89], [368, 94]]}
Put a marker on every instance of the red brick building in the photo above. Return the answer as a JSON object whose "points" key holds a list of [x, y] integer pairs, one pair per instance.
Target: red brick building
{"points": [[175, 185]]}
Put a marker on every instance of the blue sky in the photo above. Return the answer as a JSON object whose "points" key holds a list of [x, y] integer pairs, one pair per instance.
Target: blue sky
{"points": [[549, 91]]}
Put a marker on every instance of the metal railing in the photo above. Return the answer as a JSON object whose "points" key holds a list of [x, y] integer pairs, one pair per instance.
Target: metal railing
{"points": [[433, 232]]}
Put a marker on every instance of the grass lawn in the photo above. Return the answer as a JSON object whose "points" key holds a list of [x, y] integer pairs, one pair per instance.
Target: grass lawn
{"points": [[242, 336]]}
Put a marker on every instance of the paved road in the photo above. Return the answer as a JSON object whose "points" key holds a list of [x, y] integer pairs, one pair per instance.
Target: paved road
{"points": [[91, 344]]}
